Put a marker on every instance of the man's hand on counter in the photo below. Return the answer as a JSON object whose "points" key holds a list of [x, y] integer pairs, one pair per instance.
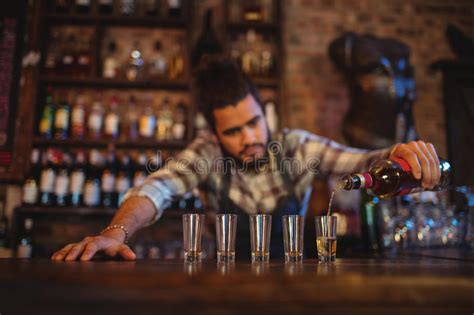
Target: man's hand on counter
{"points": [[110, 243]]}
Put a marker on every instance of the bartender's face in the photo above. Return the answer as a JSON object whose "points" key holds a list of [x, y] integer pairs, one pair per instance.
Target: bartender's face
{"points": [[242, 129]]}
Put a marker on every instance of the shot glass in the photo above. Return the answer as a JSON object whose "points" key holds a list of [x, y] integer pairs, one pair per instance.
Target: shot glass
{"points": [[226, 227], [326, 238], [293, 228], [193, 225], [260, 233]]}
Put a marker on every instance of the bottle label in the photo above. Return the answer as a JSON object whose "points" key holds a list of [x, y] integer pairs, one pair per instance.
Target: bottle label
{"points": [[123, 184], [68, 60], [24, 251], [47, 180], [61, 186], [77, 182], [62, 119], [95, 122], [147, 125], [365, 180], [111, 124], [108, 182], [178, 131], [91, 193], [78, 116], [30, 192]]}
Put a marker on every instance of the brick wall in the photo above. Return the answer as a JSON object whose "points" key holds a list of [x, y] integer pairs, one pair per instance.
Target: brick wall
{"points": [[317, 99]]}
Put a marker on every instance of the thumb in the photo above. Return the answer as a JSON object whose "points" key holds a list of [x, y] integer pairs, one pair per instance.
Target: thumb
{"points": [[126, 252]]}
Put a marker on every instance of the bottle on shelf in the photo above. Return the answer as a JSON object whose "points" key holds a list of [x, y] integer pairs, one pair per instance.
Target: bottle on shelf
{"points": [[68, 57], [176, 66], [25, 243], [250, 58], [32, 181], [109, 177], [83, 6], [3, 226], [128, 7], [267, 63], [106, 6], [180, 121], [78, 178], [112, 120], [369, 220], [95, 120], [92, 185], [52, 59], [47, 117], [84, 56], [158, 65], [61, 185], [140, 170], [134, 66], [110, 69], [78, 118], [388, 178], [131, 125], [152, 7], [124, 178], [175, 8], [147, 122], [48, 177], [207, 42], [61, 119], [165, 121], [271, 116]]}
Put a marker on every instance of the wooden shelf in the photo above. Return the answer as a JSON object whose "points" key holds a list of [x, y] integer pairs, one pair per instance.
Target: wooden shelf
{"points": [[103, 143], [116, 20], [181, 85]]}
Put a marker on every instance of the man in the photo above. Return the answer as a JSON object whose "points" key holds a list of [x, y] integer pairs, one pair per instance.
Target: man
{"points": [[252, 184]]}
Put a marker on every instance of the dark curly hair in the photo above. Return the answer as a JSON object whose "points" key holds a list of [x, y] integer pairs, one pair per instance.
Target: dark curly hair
{"points": [[219, 82]]}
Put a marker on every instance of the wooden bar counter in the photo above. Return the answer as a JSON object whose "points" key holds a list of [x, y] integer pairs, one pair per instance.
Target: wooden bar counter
{"points": [[403, 284]]}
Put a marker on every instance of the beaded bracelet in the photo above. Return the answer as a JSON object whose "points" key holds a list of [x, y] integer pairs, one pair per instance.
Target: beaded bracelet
{"points": [[117, 226]]}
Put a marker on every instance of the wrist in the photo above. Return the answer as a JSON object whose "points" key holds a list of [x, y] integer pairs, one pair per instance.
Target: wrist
{"points": [[116, 231]]}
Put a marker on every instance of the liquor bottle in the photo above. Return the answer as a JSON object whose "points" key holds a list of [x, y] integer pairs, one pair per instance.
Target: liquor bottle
{"points": [[124, 178], [207, 42], [48, 177], [25, 244], [271, 115], [180, 118], [51, 63], [106, 6], [68, 58], [140, 170], [83, 6], [369, 220], [176, 67], [31, 185], [109, 176], [61, 119], [152, 7], [250, 58], [266, 63], [134, 67], [147, 122], [165, 121], [92, 184], [110, 68], [47, 117], [128, 7], [158, 65], [112, 120], [388, 178], [3, 226], [95, 120], [84, 56], [78, 178], [78, 117], [61, 185], [175, 8], [130, 126]]}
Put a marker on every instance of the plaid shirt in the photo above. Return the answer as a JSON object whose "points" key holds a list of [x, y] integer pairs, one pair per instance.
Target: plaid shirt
{"points": [[200, 166]]}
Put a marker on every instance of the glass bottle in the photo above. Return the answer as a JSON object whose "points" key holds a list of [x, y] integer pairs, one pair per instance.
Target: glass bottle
{"points": [[95, 120], [48, 177], [130, 126], [92, 185], [106, 6], [110, 68], [78, 178], [112, 120], [47, 117], [84, 56], [176, 67], [388, 178], [128, 7], [207, 42], [25, 244], [180, 121], [31, 184], [175, 8], [140, 171], [68, 57], [158, 65], [147, 122], [271, 116], [78, 117], [61, 119], [152, 7], [83, 6], [109, 176], [165, 121], [61, 185], [52, 59], [134, 67], [124, 178], [250, 58]]}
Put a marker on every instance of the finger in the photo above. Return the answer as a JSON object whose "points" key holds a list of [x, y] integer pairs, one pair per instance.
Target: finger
{"points": [[434, 167], [75, 251], [90, 250], [126, 252], [406, 152], [425, 166], [60, 254], [437, 163]]}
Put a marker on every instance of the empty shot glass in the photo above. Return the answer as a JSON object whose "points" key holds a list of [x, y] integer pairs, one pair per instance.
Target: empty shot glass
{"points": [[193, 225], [326, 238], [293, 228], [226, 228], [260, 233]]}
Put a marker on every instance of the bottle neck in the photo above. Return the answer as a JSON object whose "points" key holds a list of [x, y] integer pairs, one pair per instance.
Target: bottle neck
{"points": [[356, 181]]}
